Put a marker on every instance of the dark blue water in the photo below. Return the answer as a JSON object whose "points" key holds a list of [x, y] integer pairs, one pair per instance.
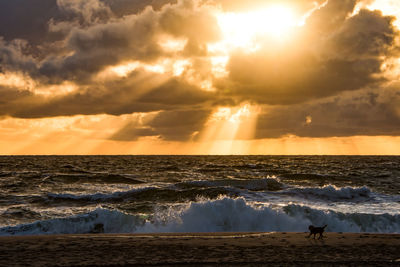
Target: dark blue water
{"points": [[73, 194]]}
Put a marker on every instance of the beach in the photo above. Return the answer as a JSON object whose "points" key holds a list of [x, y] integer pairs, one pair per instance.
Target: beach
{"points": [[205, 249], [218, 210]]}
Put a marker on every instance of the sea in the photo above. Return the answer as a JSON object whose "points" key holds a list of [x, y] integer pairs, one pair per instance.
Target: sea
{"points": [[170, 194]]}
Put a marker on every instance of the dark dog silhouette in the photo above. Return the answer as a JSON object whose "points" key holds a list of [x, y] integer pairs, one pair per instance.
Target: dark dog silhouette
{"points": [[317, 230]]}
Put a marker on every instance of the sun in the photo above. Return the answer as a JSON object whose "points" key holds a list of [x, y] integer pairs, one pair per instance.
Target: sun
{"points": [[246, 29]]}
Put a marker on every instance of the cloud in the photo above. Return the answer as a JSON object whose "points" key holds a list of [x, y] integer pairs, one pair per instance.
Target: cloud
{"points": [[102, 45], [300, 6], [372, 112], [132, 132], [368, 34], [96, 42], [328, 79], [180, 124], [347, 55], [12, 57], [177, 125], [31, 20], [126, 7], [90, 49], [139, 92]]}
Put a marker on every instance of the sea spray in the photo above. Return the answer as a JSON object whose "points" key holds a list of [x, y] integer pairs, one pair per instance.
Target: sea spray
{"points": [[225, 215], [220, 215], [112, 221], [62, 194]]}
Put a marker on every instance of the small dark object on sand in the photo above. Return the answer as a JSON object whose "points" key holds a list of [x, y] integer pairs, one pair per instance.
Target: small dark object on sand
{"points": [[98, 229], [317, 230]]}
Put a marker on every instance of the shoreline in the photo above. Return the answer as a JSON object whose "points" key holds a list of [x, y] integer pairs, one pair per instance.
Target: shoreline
{"points": [[201, 249]]}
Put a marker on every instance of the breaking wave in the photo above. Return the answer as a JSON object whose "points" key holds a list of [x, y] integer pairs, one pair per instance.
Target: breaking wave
{"points": [[111, 221], [333, 193], [143, 194], [220, 215]]}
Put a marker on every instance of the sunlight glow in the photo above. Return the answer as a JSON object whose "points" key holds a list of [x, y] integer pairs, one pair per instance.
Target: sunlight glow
{"points": [[16, 80], [179, 66], [22, 82], [87, 135], [172, 45], [218, 64], [124, 69], [232, 115], [308, 120], [172, 67], [56, 90], [243, 29]]}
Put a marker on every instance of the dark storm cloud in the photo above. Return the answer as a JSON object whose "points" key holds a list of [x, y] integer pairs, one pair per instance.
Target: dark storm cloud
{"points": [[174, 92], [277, 84], [127, 7], [334, 53], [177, 125], [94, 46], [368, 34], [139, 92], [30, 19], [346, 55], [363, 113], [42, 27], [103, 45], [10, 96], [132, 132], [88, 50], [12, 57]]}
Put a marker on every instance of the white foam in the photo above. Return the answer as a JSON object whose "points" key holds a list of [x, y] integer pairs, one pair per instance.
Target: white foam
{"points": [[333, 193], [228, 214], [221, 215], [113, 222]]}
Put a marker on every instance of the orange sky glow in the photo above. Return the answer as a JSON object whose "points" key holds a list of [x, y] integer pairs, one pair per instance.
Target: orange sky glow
{"points": [[205, 77]]}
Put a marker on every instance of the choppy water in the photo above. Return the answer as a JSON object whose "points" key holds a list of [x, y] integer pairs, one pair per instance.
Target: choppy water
{"points": [[126, 194]]}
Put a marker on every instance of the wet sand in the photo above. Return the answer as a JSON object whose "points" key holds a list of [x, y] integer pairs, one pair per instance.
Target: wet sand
{"points": [[215, 249]]}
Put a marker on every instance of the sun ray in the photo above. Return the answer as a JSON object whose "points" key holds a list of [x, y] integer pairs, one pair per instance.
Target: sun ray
{"points": [[226, 126]]}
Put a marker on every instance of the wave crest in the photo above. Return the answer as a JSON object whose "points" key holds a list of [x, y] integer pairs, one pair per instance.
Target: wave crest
{"points": [[112, 221], [220, 215], [270, 184], [143, 194], [333, 193]]}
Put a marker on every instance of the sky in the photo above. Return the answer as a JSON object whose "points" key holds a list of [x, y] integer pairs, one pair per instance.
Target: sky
{"points": [[200, 77]]}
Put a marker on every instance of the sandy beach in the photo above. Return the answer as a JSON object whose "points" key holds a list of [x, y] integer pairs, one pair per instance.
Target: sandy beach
{"points": [[241, 249]]}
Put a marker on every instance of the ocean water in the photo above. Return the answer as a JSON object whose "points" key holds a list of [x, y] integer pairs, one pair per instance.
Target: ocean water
{"points": [[150, 194]]}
